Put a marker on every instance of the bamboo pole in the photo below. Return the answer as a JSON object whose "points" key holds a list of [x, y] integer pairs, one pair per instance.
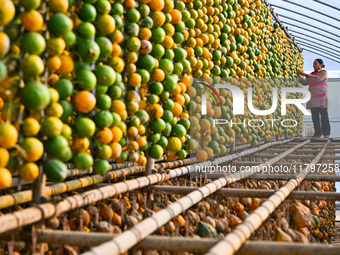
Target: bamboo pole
{"points": [[131, 237], [234, 240], [26, 196], [318, 177], [175, 163], [315, 146], [76, 172], [253, 163], [200, 246], [285, 177], [73, 238], [321, 141], [114, 166], [31, 215], [62, 187], [44, 211], [309, 195], [267, 248], [306, 150], [177, 244], [191, 245], [297, 156]]}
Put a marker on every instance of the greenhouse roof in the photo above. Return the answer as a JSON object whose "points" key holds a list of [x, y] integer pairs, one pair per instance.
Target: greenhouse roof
{"points": [[314, 25]]}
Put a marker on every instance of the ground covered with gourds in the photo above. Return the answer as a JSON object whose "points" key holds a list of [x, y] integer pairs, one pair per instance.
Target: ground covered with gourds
{"points": [[305, 221]]}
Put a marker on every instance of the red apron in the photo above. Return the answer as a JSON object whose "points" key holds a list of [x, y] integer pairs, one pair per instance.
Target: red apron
{"points": [[318, 90]]}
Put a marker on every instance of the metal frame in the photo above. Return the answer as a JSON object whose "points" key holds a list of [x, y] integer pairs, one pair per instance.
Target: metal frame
{"points": [[315, 48], [308, 43], [283, 8], [304, 44], [322, 55], [318, 53], [303, 38], [310, 9], [293, 30], [307, 24], [308, 48], [306, 29], [331, 56], [328, 53], [328, 5]]}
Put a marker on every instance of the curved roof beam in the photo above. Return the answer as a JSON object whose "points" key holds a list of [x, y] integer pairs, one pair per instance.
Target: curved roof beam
{"points": [[299, 21], [313, 10], [283, 8], [328, 5], [327, 46], [320, 47], [336, 46], [311, 31], [321, 50], [318, 53]]}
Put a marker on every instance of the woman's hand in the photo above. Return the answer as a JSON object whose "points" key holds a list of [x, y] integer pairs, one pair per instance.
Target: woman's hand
{"points": [[300, 73]]}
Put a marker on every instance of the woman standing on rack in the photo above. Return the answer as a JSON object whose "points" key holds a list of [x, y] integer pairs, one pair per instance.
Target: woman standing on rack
{"points": [[318, 103]]}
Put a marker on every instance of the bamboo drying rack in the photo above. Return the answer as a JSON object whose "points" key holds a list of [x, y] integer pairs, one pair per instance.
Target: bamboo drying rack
{"points": [[140, 235]]}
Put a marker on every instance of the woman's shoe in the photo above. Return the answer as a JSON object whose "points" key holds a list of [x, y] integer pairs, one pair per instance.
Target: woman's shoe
{"points": [[326, 136]]}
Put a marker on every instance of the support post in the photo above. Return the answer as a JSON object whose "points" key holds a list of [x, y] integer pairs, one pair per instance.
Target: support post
{"points": [[232, 147], [150, 165], [37, 187]]}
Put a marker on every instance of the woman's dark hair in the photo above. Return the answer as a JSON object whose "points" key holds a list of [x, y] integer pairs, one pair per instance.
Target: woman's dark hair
{"points": [[320, 62]]}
